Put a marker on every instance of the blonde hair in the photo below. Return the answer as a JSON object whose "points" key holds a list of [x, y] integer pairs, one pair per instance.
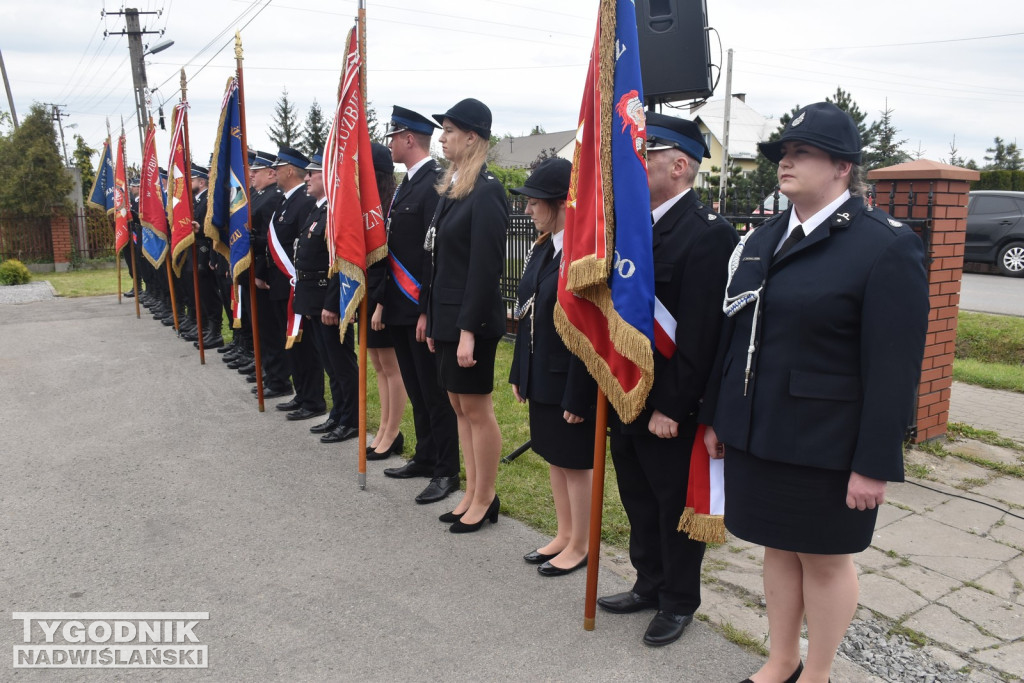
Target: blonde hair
{"points": [[858, 184], [468, 167]]}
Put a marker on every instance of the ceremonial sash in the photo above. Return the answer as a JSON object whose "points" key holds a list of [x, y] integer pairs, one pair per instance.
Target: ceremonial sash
{"points": [[664, 330], [407, 284], [285, 265], [703, 518], [236, 306]]}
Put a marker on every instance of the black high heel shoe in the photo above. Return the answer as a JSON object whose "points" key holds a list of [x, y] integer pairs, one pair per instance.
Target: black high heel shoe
{"points": [[450, 517], [792, 679], [395, 449], [459, 527]]}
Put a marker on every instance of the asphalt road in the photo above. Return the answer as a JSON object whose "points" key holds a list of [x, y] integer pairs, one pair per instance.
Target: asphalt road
{"points": [[133, 479], [992, 294]]}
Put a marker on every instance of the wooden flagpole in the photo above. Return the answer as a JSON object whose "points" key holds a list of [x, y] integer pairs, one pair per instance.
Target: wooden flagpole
{"points": [[253, 311], [131, 234], [596, 511], [195, 255], [117, 257], [364, 319], [167, 259]]}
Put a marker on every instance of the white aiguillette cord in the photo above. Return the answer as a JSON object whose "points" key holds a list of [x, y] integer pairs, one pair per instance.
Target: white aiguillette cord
{"points": [[731, 305]]}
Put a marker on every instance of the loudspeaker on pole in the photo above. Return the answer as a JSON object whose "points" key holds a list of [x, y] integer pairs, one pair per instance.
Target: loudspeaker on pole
{"points": [[674, 51]]}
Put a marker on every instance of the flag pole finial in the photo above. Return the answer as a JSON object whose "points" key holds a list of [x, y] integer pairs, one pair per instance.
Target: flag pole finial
{"points": [[238, 45], [184, 84]]}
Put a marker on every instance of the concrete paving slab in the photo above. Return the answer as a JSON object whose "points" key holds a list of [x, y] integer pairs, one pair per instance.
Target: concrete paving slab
{"points": [[1007, 658], [914, 497], [998, 616], [928, 543], [966, 515], [875, 559], [1000, 582], [887, 514], [889, 597], [1006, 489], [980, 449], [1010, 532], [948, 471], [928, 583], [943, 626]]}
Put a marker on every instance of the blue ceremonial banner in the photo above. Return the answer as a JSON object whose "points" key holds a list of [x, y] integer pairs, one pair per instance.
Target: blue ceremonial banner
{"points": [[632, 276], [102, 195], [227, 214]]}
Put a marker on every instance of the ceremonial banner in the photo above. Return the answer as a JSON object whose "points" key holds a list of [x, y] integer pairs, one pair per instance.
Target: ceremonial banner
{"points": [[356, 236], [227, 214], [179, 190], [605, 311], [102, 194], [122, 205], [152, 212]]}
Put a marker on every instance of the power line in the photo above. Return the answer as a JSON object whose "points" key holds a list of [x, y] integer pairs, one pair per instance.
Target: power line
{"points": [[922, 42]]}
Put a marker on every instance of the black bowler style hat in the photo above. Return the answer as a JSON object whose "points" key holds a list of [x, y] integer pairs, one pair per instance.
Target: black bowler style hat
{"points": [[403, 119], [672, 132], [287, 155], [469, 114], [822, 125], [382, 162], [550, 180]]}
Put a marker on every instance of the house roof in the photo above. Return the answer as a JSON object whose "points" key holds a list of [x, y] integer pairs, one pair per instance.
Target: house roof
{"points": [[747, 127], [522, 151]]}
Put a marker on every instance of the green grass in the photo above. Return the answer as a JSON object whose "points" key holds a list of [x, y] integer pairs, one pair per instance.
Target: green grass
{"points": [[983, 435], [915, 637], [990, 338], [77, 283], [744, 639], [990, 375]]}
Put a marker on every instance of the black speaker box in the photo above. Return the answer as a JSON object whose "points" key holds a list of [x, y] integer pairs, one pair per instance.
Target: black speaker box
{"points": [[674, 52]]}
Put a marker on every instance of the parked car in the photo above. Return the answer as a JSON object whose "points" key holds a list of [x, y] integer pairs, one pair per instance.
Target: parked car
{"points": [[995, 230]]}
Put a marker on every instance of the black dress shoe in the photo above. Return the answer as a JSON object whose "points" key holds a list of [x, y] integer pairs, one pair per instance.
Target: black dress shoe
{"points": [[666, 627], [304, 414], [626, 603], [439, 488], [251, 379], [167, 321], [339, 434], [548, 569], [247, 369], [129, 294], [210, 342], [460, 527], [409, 470], [276, 393], [325, 426], [289, 406], [233, 346], [537, 557]]}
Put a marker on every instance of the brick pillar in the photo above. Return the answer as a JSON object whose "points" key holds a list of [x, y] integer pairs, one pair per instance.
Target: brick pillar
{"points": [[949, 186], [60, 234]]}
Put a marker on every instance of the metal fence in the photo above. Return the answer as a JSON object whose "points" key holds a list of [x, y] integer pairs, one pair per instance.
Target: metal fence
{"points": [[93, 233], [25, 239]]}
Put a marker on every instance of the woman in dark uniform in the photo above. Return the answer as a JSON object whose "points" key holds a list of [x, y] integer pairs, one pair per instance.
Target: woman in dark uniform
{"points": [[465, 311], [820, 362], [560, 391], [388, 440]]}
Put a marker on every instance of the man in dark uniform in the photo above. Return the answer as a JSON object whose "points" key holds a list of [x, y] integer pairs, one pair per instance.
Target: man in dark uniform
{"points": [[691, 247], [209, 292], [306, 371], [407, 275], [317, 300]]}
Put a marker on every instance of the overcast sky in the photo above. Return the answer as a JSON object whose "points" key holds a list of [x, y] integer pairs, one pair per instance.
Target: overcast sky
{"points": [[945, 68]]}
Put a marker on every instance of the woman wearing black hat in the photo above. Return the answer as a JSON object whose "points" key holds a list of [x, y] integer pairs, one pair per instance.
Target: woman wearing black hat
{"points": [[390, 388], [828, 306], [466, 314], [560, 390]]}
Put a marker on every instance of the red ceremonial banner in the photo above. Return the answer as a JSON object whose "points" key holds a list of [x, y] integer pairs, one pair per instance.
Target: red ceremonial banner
{"points": [[121, 203], [179, 190]]}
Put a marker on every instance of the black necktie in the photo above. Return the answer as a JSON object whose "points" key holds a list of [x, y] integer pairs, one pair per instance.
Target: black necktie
{"points": [[790, 242]]}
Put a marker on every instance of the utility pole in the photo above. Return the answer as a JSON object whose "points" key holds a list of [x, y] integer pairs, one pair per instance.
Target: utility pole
{"points": [[56, 114], [7, 85], [135, 33], [724, 178]]}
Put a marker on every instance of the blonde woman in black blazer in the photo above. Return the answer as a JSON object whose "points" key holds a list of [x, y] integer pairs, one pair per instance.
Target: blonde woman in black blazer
{"points": [[465, 311]]}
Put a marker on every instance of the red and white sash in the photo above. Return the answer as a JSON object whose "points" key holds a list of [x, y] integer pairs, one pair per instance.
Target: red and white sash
{"points": [[664, 330], [285, 265]]}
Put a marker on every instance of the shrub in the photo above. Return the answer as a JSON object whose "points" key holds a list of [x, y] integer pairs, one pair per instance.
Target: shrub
{"points": [[14, 272]]}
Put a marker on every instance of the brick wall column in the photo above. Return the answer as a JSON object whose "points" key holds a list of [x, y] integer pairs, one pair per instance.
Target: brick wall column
{"points": [[949, 185], [60, 234]]}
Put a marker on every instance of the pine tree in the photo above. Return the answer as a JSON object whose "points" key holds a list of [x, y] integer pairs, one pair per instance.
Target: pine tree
{"points": [[1003, 157], [374, 125], [886, 150], [33, 180], [284, 129], [868, 133], [315, 134], [82, 160]]}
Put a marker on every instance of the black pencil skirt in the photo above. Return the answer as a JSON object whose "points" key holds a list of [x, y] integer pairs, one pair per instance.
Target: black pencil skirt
{"points": [[793, 507], [562, 444], [456, 379]]}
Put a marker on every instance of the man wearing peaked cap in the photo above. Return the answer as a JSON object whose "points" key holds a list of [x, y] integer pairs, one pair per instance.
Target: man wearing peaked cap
{"points": [[691, 247], [404, 303], [210, 298]]}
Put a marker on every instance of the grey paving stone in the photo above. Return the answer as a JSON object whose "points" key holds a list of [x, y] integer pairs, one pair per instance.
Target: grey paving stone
{"points": [[887, 514], [949, 471], [996, 615], [1001, 582], [930, 584], [1010, 532], [943, 626], [888, 596], [980, 449], [930, 543], [913, 497], [1007, 658], [1007, 489], [966, 515], [875, 559]]}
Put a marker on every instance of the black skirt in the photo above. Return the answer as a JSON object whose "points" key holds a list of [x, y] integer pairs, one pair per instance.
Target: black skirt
{"points": [[456, 379], [793, 507], [378, 339], [562, 444]]}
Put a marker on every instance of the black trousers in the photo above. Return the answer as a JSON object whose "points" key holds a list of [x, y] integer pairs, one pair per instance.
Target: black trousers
{"points": [[437, 429], [272, 314], [307, 371], [339, 360], [652, 475]]}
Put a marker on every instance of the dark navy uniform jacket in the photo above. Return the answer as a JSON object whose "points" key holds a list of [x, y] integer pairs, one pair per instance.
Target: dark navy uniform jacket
{"points": [[287, 221], [542, 367], [409, 219], [469, 258], [691, 247], [312, 262], [265, 203], [837, 354]]}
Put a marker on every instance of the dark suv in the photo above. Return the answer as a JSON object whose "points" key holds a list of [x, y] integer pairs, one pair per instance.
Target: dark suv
{"points": [[995, 230]]}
